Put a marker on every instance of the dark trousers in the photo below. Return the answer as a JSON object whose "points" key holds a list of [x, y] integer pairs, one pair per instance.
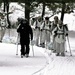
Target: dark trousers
{"points": [[25, 49]]}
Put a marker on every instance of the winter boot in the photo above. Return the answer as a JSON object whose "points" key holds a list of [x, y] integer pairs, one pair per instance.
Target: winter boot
{"points": [[62, 54], [57, 54], [21, 56], [27, 55]]}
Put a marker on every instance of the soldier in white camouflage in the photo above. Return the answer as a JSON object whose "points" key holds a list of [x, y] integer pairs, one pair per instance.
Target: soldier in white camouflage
{"points": [[46, 32], [60, 33], [53, 26], [36, 26]]}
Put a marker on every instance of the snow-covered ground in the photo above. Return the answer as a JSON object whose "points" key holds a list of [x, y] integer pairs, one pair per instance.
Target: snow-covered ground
{"points": [[42, 63], [62, 65], [13, 64]]}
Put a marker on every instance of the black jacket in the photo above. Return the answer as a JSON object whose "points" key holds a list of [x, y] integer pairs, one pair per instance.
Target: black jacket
{"points": [[25, 32]]}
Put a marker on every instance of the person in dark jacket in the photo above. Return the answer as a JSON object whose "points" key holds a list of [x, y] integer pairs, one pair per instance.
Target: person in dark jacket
{"points": [[26, 34]]}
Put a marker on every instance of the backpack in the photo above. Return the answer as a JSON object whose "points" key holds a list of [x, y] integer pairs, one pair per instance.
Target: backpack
{"points": [[59, 36]]}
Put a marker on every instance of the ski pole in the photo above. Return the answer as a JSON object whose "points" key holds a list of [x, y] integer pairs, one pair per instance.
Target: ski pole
{"points": [[17, 45], [33, 50], [17, 50], [69, 46], [65, 46], [32, 43]]}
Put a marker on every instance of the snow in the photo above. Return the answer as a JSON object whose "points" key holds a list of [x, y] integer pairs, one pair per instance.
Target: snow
{"points": [[59, 65], [10, 36], [44, 62], [69, 19], [18, 11], [10, 63]]}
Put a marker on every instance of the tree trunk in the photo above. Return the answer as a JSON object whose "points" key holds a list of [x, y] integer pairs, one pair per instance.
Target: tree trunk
{"points": [[43, 11], [4, 6], [63, 11], [27, 11], [9, 24]]}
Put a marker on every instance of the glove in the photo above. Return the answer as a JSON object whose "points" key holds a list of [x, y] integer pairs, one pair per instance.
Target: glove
{"points": [[32, 42], [67, 34], [41, 29], [36, 27], [31, 38], [55, 32]]}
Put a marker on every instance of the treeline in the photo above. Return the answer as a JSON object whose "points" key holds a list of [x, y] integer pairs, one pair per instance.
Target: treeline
{"points": [[56, 6]]}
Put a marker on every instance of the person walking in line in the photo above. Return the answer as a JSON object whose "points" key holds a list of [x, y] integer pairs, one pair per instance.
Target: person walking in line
{"points": [[46, 32], [37, 25], [60, 33], [26, 34], [32, 24], [53, 26]]}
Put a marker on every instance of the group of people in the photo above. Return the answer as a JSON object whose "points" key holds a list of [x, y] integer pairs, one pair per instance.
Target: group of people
{"points": [[46, 31], [43, 32]]}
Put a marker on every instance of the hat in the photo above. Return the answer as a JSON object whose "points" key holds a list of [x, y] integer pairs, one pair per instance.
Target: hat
{"points": [[55, 17], [46, 18]]}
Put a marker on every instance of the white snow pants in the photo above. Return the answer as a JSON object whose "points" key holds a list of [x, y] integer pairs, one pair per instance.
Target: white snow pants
{"points": [[60, 47], [45, 37], [54, 43], [37, 37]]}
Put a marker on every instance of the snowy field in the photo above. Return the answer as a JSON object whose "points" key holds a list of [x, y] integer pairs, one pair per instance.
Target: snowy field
{"points": [[10, 36], [43, 62], [62, 65], [12, 64]]}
